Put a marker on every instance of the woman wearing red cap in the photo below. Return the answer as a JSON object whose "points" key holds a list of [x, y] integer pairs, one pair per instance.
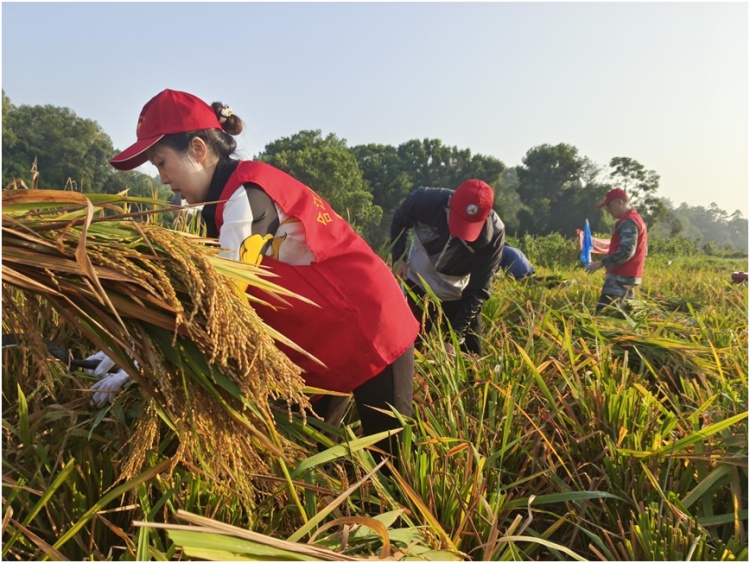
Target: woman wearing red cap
{"points": [[456, 250], [362, 329]]}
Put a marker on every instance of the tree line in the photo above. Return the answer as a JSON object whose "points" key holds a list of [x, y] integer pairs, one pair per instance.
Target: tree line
{"points": [[554, 190], [68, 152]]}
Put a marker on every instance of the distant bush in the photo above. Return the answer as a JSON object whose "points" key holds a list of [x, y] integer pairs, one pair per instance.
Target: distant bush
{"points": [[673, 246], [682, 246]]}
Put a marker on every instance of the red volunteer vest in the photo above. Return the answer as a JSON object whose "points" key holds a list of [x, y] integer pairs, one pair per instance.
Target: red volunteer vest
{"points": [[634, 266], [363, 322]]}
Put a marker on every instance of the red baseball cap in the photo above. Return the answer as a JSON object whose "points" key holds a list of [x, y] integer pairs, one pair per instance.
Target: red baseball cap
{"points": [[613, 194], [166, 113], [470, 206]]}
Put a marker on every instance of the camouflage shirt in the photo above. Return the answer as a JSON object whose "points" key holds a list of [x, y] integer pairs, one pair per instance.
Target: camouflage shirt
{"points": [[628, 231]]}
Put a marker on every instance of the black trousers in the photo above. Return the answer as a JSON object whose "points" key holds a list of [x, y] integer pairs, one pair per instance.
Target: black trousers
{"points": [[473, 337], [613, 291], [392, 386]]}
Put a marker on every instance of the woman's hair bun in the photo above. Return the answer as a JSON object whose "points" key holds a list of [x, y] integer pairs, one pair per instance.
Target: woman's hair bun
{"points": [[230, 122]]}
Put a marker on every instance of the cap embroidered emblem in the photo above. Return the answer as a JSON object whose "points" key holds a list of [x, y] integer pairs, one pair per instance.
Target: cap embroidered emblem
{"points": [[138, 127], [472, 209]]}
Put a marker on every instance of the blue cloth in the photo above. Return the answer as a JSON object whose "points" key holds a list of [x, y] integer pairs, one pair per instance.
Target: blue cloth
{"points": [[587, 246], [515, 263]]}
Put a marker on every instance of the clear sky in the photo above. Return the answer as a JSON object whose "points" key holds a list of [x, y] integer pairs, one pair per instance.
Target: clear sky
{"points": [[663, 83]]}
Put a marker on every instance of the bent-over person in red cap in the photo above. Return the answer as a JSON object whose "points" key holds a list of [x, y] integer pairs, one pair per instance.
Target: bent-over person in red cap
{"points": [[628, 248], [456, 249], [362, 328]]}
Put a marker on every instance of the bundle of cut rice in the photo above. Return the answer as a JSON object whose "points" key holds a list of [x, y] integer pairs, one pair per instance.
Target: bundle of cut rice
{"points": [[169, 311]]}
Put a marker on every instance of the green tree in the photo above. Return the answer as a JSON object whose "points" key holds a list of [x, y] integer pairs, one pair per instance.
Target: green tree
{"points": [[392, 172], [70, 151], [9, 136], [430, 163], [65, 146], [507, 201], [737, 226], [388, 180], [712, 225], [553, 187], [641, 185], [668, 225], [327, 166], [12, 167]]}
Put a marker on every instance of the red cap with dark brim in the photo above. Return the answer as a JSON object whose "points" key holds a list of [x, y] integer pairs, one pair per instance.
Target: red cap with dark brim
{"points": [[612, 195], [167, 113], [470, 206], [135, 154]]}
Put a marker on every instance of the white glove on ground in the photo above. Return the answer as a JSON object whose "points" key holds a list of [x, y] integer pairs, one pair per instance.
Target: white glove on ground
{"points": [[108, 387], [110, 383]]}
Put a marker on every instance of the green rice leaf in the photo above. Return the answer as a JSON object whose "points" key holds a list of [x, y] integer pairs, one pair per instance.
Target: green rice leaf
{"points": [[561, 497], [689, 440], [337, 452], [222, 547]]}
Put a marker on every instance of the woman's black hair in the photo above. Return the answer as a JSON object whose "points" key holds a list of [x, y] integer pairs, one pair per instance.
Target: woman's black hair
{"points": [[220, 142]]}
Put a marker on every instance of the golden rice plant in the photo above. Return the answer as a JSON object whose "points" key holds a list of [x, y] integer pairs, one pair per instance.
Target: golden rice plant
{"points": [[169, 311]]}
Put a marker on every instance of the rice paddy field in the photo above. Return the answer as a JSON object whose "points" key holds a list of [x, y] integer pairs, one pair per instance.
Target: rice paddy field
{"points": [[574, 437]]}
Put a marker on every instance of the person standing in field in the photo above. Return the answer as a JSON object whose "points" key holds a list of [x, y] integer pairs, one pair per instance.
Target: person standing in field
{"points": [[456, 249], [361, 329], [628, 248], [515, 264]]}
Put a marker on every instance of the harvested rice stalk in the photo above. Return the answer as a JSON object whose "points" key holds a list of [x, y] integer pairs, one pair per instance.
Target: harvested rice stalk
{"points": [[209, 368]]}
